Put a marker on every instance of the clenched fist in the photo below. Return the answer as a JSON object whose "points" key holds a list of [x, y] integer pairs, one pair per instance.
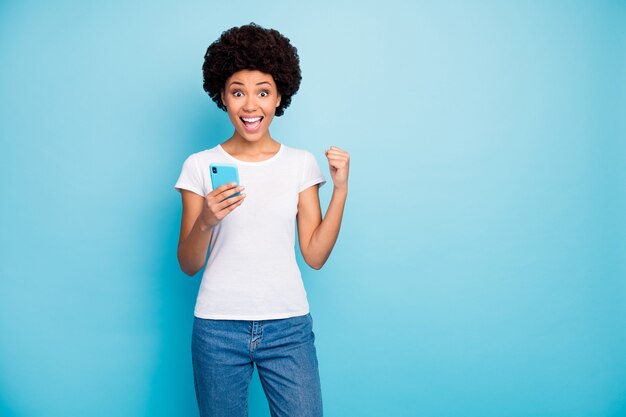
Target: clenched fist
{"points": [[339, 165]]}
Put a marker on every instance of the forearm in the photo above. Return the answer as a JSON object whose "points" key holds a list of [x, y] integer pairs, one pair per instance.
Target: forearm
{"points": [[193, 250], [325, 235]]}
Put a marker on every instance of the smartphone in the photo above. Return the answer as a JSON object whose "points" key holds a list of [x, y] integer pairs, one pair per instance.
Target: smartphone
{"points": [[223, 174]]}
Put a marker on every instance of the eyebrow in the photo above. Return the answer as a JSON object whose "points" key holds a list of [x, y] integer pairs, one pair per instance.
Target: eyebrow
{"points": [[240, 83]]}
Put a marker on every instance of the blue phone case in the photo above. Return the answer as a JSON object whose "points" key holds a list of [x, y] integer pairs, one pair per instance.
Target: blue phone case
{"points": [[222, 174]]}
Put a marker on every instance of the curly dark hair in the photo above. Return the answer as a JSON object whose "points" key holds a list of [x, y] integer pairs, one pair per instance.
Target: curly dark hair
{"points": [[252, 47]]}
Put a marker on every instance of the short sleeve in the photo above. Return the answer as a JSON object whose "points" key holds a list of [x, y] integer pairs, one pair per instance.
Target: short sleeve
{"points": [[311, 173], [190, 177]]}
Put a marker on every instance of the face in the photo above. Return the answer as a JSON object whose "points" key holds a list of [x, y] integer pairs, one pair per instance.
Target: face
{"points": [[251, 98]]}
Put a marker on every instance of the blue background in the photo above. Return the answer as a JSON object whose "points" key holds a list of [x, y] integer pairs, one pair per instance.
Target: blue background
{"points": [[480, 270]]}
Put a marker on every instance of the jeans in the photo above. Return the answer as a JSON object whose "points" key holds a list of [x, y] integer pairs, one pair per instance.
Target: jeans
{"points": [[224, 353]]}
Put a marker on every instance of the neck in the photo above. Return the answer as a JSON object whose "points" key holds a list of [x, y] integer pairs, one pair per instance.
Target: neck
{"points": [[239, 145], [243, 149]]}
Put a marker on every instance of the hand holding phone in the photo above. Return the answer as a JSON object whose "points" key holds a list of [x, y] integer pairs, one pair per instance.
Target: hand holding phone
{"points": [[226, 195]]}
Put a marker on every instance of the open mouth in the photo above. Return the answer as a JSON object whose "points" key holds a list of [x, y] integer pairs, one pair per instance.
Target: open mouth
{"points": [[251, 123]]}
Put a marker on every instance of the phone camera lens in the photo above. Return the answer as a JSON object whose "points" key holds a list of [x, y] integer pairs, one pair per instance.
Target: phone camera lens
{"points": [[214, 170]]}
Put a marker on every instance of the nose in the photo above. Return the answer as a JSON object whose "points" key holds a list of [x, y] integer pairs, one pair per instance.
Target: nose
{"points": [[250, 103]]}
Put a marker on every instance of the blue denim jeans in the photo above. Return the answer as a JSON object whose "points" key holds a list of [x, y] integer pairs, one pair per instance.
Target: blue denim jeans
{"points": [[224, 353]]}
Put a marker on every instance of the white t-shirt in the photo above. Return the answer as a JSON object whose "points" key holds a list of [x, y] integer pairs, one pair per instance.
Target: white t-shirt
{"points": [[251, 273]]}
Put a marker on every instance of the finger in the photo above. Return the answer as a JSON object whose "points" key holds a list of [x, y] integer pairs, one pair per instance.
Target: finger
{"points": [[222, 188], [224, 212], [234, 206], [338, 153], [338, 165], [229, 202], [338, 158], [227, 193]]}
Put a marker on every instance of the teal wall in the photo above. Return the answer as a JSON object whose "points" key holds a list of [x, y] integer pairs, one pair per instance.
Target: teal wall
{"points": [[481, 266]]}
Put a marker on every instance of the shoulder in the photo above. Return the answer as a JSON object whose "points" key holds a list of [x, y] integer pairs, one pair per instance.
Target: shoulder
{"points": [[211, 154], [202, 156]]}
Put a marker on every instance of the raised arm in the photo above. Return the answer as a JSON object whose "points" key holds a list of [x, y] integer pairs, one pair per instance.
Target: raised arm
{"points": [[317, 236]]}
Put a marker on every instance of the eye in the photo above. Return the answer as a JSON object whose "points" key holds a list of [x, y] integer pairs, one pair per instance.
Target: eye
{"points": [[264, 93], [237, 93]]}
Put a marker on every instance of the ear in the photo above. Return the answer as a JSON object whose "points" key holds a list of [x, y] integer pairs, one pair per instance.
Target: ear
{"points": [[278, 101]]}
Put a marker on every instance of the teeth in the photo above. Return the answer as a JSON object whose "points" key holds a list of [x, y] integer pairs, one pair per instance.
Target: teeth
{"points": [[251, 119]]}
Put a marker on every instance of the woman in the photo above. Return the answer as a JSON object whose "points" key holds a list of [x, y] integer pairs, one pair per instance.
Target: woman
{"points": [[251, 306]]}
